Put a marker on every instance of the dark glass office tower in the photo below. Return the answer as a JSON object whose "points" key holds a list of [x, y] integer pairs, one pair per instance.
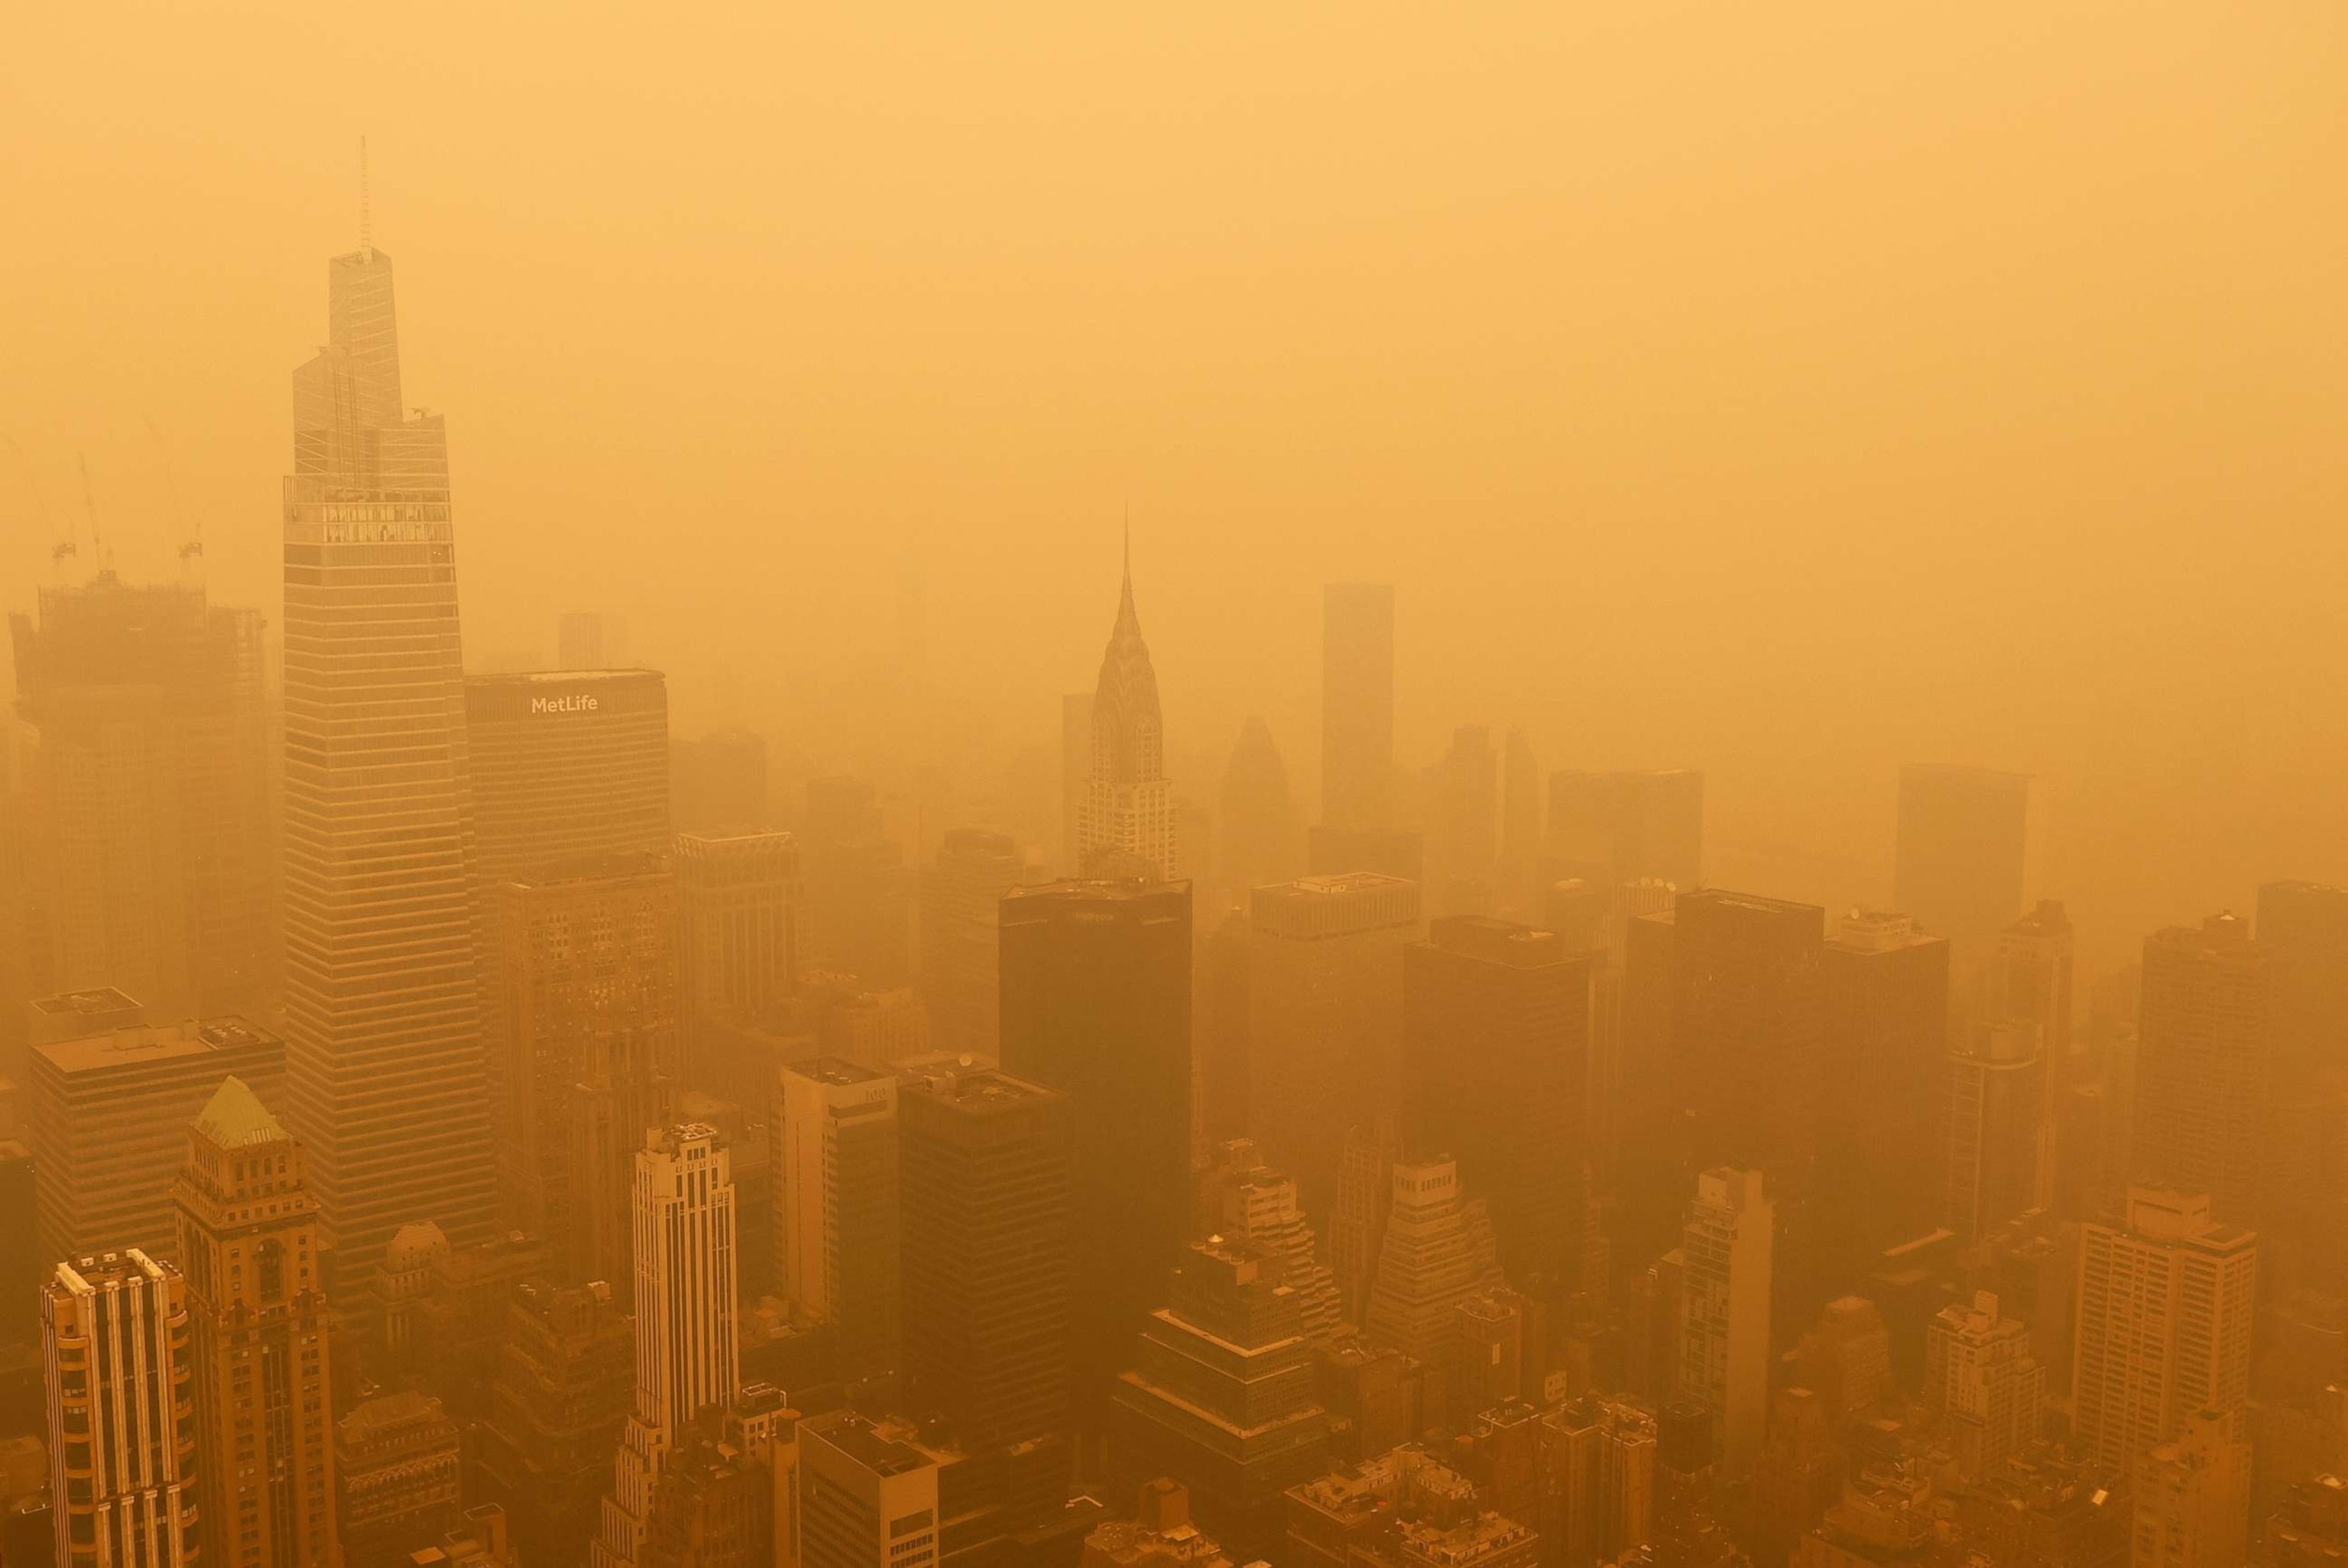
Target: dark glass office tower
{"points": [[1097, 1004], [385, 1064]]}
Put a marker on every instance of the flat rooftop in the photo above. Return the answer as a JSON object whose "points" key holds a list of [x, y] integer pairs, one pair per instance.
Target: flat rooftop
{"points": [[151, 1044]]}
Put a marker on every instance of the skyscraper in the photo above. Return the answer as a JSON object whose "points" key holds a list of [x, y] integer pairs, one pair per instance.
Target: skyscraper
{"points": [[387, 1079], [2033, 982], [587, 1012], [1965, 856], [1463, 823], [688, 1356], [260, 1341], [1357, 675], [1128, 824], [1496, 1065], [836, 1210], [741, 904], [557, 1408], [1325, 1017], [1884, 1048], [1629, 825], [2192, 1496], [859, 893], [1991, 1108], [147, 793], [566, 767], [1724, 1308], [2204, 1049], [109, 1121], [2166, 1304], [1076, 761], [1436, 1254], [123, 1473], [1249, 1200], [962, 958], [1263, 838], [865, 1499], [1979, 1371], [984, 1184], [1097, 1004]]}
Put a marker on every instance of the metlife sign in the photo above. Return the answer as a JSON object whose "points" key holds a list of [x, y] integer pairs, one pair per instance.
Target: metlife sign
{"points": [[591, 698], [576, 702]]}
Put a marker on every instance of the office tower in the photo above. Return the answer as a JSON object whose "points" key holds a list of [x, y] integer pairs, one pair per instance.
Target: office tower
{"points": [[2192, 1496], [1884, 1048], [715, 1505], [1223, 1394], [1463, 823], [717, 785], [741, 906], [1358, 678], [1649, 1132], [1992, 1103], [109, 1120], [259, 1337], [837, 1215], [1489, 1352], [688, 1354], [1249, 1200], [1436, 1254], [1963, 861], [1629, 826], [859, 895], [1262, 837], [2035, 964], [1798, 1473], [1520, 821], [1222, 1067], [1389, 852], [1365, 1202], [1745, 1057], [587, 1015], [1724, 1308], [147, 783], [1596, 1461], [590, 640], [1496, 1064], [2164, 1326], [2303, 928], [1846, 1359], [1626, 1086], [566, 767], [398, 1478], [559, 1405], [984, 1181], [386, 1075], [962, 958], [2205, 1047], [1076, 758], [1325, 1017], [1978, 1372], [123, 1437], [864, 1500], [1127, 825], [1097, 1004]]}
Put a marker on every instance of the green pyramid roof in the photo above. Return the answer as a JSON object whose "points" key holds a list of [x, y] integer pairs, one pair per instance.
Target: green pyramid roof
{"points": [[236, 1117]]}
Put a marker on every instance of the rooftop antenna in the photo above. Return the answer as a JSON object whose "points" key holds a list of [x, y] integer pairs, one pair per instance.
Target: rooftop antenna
{"points": [[191, 541], [1129, 545], [367, 207]]}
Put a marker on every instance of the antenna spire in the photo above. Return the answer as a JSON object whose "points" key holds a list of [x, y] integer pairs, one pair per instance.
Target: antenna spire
{"points": [[1129, 547], [366, 212]]}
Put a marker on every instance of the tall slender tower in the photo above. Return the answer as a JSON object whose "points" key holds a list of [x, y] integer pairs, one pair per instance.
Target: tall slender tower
{"points": [[1127, 822], [248, 1247], [384, 1064], [688, 1356], [1358, 705], [122, 1430]]}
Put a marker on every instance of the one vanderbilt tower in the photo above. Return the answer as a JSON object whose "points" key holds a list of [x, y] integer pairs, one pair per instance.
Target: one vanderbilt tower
{"points": [[384, 1060]]}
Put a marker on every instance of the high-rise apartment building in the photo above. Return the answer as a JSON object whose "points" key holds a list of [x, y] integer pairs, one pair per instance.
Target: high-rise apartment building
{"points": [[2205, 1046], [1978, 1372], [1883, 1048], [689, 1351], [1223, 1394], [587, 1014], [2165, 1308], [1629, 826], [1724, 1292], [983, 1177], [864, 1499], [1436, 1254], [108, 1124], [122, 1430], [260, 1338], [1097, 1004], [1496, 1041], [961, 956], [1261, 839], [147, 783], [1128, 824], [1357, 680], [1992, 1104], [1963, 861], [2191, 1497], [1597, 1494], [386, 1076], [1325, 1017], [836, 1209]]}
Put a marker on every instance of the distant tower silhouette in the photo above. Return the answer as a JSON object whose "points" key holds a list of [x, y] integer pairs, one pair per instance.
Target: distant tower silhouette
{"points": [[1127, 821]]}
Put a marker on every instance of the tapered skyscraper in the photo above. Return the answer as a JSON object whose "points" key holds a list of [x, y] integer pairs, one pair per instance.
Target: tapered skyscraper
{"points": [[1126, 823], [382, 1030]]}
